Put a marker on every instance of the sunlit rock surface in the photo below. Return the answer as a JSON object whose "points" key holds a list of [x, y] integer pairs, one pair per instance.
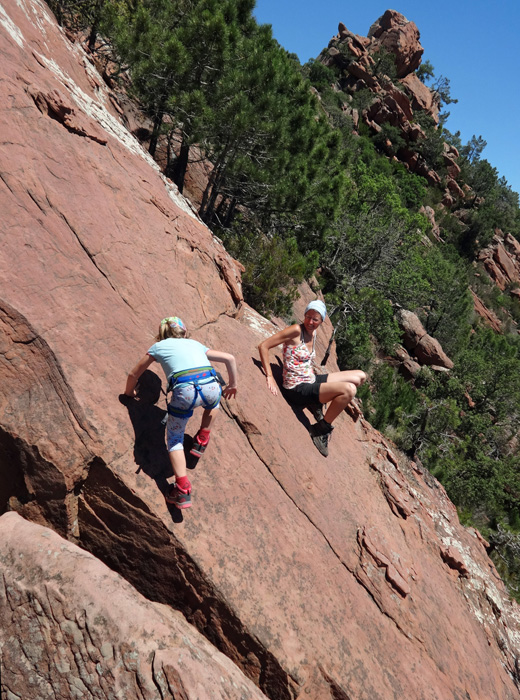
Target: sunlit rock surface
{"points": [[346, 577]]}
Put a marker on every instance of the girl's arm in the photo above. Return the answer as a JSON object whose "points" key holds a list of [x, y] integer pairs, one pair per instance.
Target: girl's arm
{"points": [[289, 333], [230, 390], [134, 375]]}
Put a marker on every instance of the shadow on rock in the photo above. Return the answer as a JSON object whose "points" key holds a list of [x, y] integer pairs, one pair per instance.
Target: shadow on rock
{"points": [[148, 421], [277, 370]]}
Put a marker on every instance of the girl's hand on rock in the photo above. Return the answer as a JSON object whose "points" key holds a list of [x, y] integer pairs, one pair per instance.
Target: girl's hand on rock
{"points": [[230, 392]]}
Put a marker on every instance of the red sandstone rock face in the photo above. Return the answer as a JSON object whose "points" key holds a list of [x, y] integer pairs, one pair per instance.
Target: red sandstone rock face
{"points": [[502, 260], [70, 627], [489, 317], [422, 97], [320, 578], [436, 231], [426, 349], [401, 37]]}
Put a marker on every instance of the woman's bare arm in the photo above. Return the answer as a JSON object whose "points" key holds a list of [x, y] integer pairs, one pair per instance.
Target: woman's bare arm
{"points": [[287, 334]]}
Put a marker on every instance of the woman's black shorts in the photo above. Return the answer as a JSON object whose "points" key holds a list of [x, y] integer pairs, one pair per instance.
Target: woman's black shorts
{"points": [[305, 393]]}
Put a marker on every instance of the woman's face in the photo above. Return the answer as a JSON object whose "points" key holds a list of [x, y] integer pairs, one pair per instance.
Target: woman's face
{"points": [[312, 320]]}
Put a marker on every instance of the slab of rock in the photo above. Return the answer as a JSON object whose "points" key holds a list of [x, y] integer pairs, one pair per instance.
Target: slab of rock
{"points": [[317, 577], [426, 349], [436, 231], [489, 317], [72, 628], [421, 96], [502, 260], [507, 263]]}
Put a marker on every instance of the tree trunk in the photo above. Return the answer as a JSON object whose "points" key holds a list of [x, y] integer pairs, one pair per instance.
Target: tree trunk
{"points": [[230, 212], [93, 36], [157, 126], [181, 164], [95, 26], [155, 133], [211, 193]]}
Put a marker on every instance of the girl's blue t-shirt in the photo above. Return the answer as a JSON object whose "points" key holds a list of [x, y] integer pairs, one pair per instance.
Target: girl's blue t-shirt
{"points": [[178, 354]]}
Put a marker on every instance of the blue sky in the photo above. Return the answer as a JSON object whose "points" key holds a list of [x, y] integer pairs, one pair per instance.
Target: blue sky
{"points": [[473, 43]]}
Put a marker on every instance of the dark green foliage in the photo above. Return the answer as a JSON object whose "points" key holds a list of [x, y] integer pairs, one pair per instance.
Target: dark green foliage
{"points": [[430, 148], [384, 67], [425, 72], [389, 133], [362, 99], [273, 266], [80, 15], [396, 401], [319, 75], [441, 86]]}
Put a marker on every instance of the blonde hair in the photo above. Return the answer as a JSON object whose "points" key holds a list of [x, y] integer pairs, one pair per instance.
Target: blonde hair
{"points": [[171, 327]]}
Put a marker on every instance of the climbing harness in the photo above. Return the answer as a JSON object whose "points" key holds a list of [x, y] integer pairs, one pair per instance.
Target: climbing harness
{"points": [[198, 377]]}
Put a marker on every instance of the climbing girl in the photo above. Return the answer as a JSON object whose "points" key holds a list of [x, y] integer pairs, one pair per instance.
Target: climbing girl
{"points": [[301, 386], [193, 382]]}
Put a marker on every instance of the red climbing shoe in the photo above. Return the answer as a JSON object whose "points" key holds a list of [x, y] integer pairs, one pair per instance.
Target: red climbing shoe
{"points": [[176, 497], [199, 446]]}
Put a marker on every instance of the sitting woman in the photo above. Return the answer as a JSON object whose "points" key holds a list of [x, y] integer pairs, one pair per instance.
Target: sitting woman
{"points": [[301, 386]]}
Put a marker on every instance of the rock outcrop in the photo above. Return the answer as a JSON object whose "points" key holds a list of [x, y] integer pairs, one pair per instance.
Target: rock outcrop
{"points": [[72, 628], [349, 577], [395, 101], [488, 316], [418, 342], [502, 260], [400, 37]]}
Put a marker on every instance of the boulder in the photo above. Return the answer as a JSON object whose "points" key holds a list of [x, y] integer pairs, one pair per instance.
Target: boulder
{"points": [[507, 264], [426, 349], [501, 261], [512, 245], [70, 627], [430, 214], [429, 352], [401, 37], [412, 328], [421, 96], [455, 188]]}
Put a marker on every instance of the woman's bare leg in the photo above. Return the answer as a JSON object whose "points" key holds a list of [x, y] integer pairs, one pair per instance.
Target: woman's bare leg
{"points": [[339, 389], [339, 394], [354, 376]]}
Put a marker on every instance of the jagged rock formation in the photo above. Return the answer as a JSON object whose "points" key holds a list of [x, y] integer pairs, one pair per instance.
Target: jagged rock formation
{"points": [[502, 260], [346, 577], [488, 316], [394, 102]]}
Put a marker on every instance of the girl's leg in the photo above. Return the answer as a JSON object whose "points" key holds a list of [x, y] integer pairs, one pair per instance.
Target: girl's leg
{"points": [[208, 418], [178, 462], [211, 395], [175, 441]]}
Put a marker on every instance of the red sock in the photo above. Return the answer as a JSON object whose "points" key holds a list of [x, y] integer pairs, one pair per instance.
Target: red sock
{"points": [[183, 483], [203, 436]]}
